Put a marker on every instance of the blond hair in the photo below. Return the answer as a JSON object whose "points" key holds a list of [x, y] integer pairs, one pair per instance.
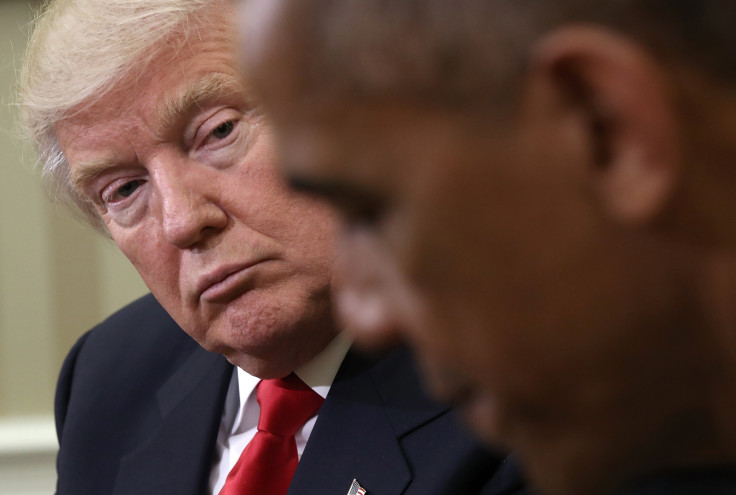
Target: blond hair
{"points": [[77, 52]]}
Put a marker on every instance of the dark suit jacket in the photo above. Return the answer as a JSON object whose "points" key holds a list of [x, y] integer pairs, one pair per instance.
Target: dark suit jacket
{"points": [[139, 403]]}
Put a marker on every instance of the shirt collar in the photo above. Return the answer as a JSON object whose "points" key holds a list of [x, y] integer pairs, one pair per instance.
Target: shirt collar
{"points": [[318, 374]]}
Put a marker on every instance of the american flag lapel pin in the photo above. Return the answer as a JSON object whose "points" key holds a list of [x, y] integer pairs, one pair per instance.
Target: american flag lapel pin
{"points": [[356, 489]]}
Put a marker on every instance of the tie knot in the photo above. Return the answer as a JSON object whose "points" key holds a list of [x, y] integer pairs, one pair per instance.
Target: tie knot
{"points": [[286, 404]]}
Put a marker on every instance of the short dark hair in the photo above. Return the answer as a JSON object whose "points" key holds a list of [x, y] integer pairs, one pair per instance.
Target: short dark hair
{"points": [[455, 52]]}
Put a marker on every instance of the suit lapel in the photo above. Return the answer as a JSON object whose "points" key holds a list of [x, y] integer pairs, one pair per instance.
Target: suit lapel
{"points": [[178, 454], [371, 405], [357, 435]]}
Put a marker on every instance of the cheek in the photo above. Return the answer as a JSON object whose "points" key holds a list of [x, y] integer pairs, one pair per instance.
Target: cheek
{"points": [[156, 262], [259, 197], [309, 229]]}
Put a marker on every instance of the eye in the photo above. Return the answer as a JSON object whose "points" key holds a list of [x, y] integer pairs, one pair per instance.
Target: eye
{"points": [[118, 191], [128, 188], [366, 213], [223, 130], [219, 132], [359, 207]]}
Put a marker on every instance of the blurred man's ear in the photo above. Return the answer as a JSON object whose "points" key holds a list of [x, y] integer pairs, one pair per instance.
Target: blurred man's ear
{"points": [[622, 96]]}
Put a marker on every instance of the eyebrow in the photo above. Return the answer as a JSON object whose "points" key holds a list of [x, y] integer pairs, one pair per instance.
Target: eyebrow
{"points": [[83, 173], [213, 85]]}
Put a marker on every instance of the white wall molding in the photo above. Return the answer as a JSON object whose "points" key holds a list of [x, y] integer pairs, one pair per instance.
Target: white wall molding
{"points": [[28, 449]]}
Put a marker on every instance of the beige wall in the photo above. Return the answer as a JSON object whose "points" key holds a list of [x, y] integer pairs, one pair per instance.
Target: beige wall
{"points": [[57, 278]]}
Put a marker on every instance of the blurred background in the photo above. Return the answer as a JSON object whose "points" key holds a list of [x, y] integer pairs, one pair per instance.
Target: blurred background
{"points": [[57, 279]]}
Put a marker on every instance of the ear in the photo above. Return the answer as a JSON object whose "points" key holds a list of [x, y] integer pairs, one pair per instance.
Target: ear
{"points": [[628, 116]]}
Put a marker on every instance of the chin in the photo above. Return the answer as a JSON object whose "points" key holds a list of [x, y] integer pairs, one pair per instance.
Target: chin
{"points": [[264, 368], [269, 333]]}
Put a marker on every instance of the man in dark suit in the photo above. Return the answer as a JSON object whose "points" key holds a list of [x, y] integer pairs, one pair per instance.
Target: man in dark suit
{"points": [[142, 122], [542, 197], [139, 407]]}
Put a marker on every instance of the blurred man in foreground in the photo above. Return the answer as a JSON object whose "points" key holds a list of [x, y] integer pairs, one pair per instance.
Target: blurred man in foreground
{"points": [[541, 197], [141, 120]]}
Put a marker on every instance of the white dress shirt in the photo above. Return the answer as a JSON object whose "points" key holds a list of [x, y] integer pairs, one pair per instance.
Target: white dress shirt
{"points": [[240, 416]]}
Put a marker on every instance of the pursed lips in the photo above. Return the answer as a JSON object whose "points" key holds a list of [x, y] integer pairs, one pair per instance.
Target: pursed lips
{"points": [[224, 282]]}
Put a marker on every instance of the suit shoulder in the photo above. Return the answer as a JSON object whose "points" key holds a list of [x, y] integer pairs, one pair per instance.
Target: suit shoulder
{"points": [[138, 345], [138, 319], [134, 376], [142, 327]]}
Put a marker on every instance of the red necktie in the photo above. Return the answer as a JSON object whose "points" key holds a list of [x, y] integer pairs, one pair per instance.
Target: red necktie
{"points": [[268, 462]]}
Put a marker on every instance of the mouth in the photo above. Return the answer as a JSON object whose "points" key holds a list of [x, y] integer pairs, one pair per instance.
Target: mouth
{"points": [[226, 282]]}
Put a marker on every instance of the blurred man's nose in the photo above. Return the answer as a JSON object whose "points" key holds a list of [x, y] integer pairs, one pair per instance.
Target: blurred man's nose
{"points": [[367, 292], [190, 208]]}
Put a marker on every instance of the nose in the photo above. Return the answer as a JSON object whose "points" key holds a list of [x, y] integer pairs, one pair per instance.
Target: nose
{"points": [[369, 293], [190, 210]]}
